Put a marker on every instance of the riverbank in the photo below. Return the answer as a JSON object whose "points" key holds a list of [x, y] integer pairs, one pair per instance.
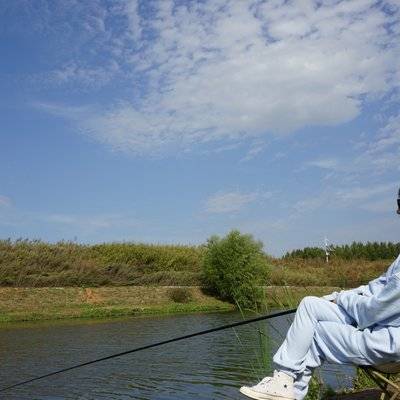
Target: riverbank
{"points": [[34, 304]]}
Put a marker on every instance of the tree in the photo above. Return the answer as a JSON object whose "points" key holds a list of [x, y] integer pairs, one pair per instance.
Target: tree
{"points": [[234, 268]]}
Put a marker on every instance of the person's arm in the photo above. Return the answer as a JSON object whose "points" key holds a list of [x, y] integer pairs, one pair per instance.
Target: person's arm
{"points": [[369, 310], [332, 297]]}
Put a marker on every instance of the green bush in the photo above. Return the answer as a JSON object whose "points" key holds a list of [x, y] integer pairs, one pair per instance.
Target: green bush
{"points": [[234, 268], [180, 295]]}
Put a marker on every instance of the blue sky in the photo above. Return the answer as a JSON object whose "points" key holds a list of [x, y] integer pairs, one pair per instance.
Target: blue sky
{"points": [[169, 121]]}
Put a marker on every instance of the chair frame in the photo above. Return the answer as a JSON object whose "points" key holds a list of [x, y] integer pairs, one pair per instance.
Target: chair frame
{"points": [[390, 389]]}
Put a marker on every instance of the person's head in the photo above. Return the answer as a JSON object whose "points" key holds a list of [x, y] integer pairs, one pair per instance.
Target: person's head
{"points": [[398, 203]]}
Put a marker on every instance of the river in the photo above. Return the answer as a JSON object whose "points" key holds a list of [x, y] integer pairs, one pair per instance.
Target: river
{"points": [[208, 367]]}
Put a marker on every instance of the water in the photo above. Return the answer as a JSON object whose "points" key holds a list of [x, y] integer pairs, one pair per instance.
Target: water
{"points": [[206, 367]]}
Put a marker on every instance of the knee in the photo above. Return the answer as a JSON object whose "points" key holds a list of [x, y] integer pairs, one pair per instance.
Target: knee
{"points": [[309, 302], [320, 328]]}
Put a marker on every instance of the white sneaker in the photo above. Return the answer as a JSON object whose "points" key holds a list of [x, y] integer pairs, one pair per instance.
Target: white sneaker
{"points": [[277, 387]]}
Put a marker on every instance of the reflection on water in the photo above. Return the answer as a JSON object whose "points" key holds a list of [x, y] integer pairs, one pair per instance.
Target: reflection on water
{"points": [[206, 367]]}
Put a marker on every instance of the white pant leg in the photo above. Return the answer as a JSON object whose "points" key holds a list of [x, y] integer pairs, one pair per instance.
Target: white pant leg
{"points": [[322, 331], [334, 342], [291, 356]]}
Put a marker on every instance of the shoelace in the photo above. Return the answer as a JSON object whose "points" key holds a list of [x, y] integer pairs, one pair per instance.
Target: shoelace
{"points": [[265, 381]]}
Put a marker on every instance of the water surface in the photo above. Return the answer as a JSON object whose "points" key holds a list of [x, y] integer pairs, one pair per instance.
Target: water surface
{"points": [[206, 367]]}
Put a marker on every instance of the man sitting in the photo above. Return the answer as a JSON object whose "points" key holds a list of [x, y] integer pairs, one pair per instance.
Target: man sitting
{"points": [[359, 326]]}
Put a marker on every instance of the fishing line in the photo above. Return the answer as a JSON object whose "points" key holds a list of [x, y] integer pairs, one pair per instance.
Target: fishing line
{"points": [[149, 346]]}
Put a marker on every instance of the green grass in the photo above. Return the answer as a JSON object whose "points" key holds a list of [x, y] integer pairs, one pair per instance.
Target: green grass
{"points": [[40, 264], [34, 304], [30, 304], [315, 272], [25, 263]]}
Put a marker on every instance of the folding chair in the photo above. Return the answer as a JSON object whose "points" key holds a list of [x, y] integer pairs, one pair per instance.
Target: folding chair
{"points": [[381, 375]]}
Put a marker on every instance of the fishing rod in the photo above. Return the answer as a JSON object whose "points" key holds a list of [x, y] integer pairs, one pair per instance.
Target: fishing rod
{"points": [[149, 346]]}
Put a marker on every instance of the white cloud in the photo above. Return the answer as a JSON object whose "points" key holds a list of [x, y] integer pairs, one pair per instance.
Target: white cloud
{"points": [[5, 201], [94, 222], [371, 158], [375, 198], [384, 205], [234, 69], [255, 149], [356, 194], [388, 140], [222, 148], [79, 223], [326, 163], [382, 153], [229, 202], [76, 73]]}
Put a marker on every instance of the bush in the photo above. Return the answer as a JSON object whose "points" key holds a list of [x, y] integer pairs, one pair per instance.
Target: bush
{"points": [[180, 295], [234, 268]]}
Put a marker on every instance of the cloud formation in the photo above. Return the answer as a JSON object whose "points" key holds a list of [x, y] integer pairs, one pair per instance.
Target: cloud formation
{"points": [[205, 71], [93, 222], [229, 202], [370, 158], [383, 152]]}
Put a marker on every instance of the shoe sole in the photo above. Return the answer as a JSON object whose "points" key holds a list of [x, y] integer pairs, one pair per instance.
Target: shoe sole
{"points": [[260, 396]]}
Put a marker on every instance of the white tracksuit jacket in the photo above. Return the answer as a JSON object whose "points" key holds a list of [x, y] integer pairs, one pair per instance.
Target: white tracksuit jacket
{"points": [[377, 303]]}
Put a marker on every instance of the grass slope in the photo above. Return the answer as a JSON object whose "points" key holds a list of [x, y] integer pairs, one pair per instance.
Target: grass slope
{"points": [[30, 304]]}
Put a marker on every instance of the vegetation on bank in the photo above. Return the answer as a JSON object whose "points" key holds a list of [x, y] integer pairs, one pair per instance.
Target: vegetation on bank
{"points": [[33, 304], [25, 263], [38, 264], [235, 269], [316, 272], [370, 251]]}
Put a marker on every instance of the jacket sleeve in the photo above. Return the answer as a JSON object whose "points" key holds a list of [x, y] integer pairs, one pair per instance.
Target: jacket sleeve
{"points": [[333, 296], [371, 288], [369, 310], [375, 286]]}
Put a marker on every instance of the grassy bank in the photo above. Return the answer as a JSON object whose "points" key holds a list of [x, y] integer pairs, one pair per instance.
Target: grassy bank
{"points": [[31, 304], [68, 280], [315, 272], [37, 264]]}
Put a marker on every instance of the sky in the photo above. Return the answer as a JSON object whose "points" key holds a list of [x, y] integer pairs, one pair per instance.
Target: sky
{"points": [[171, 121]]}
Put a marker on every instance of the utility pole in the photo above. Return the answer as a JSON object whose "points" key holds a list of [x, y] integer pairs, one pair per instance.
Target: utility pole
{"points": [[327, 249]]}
